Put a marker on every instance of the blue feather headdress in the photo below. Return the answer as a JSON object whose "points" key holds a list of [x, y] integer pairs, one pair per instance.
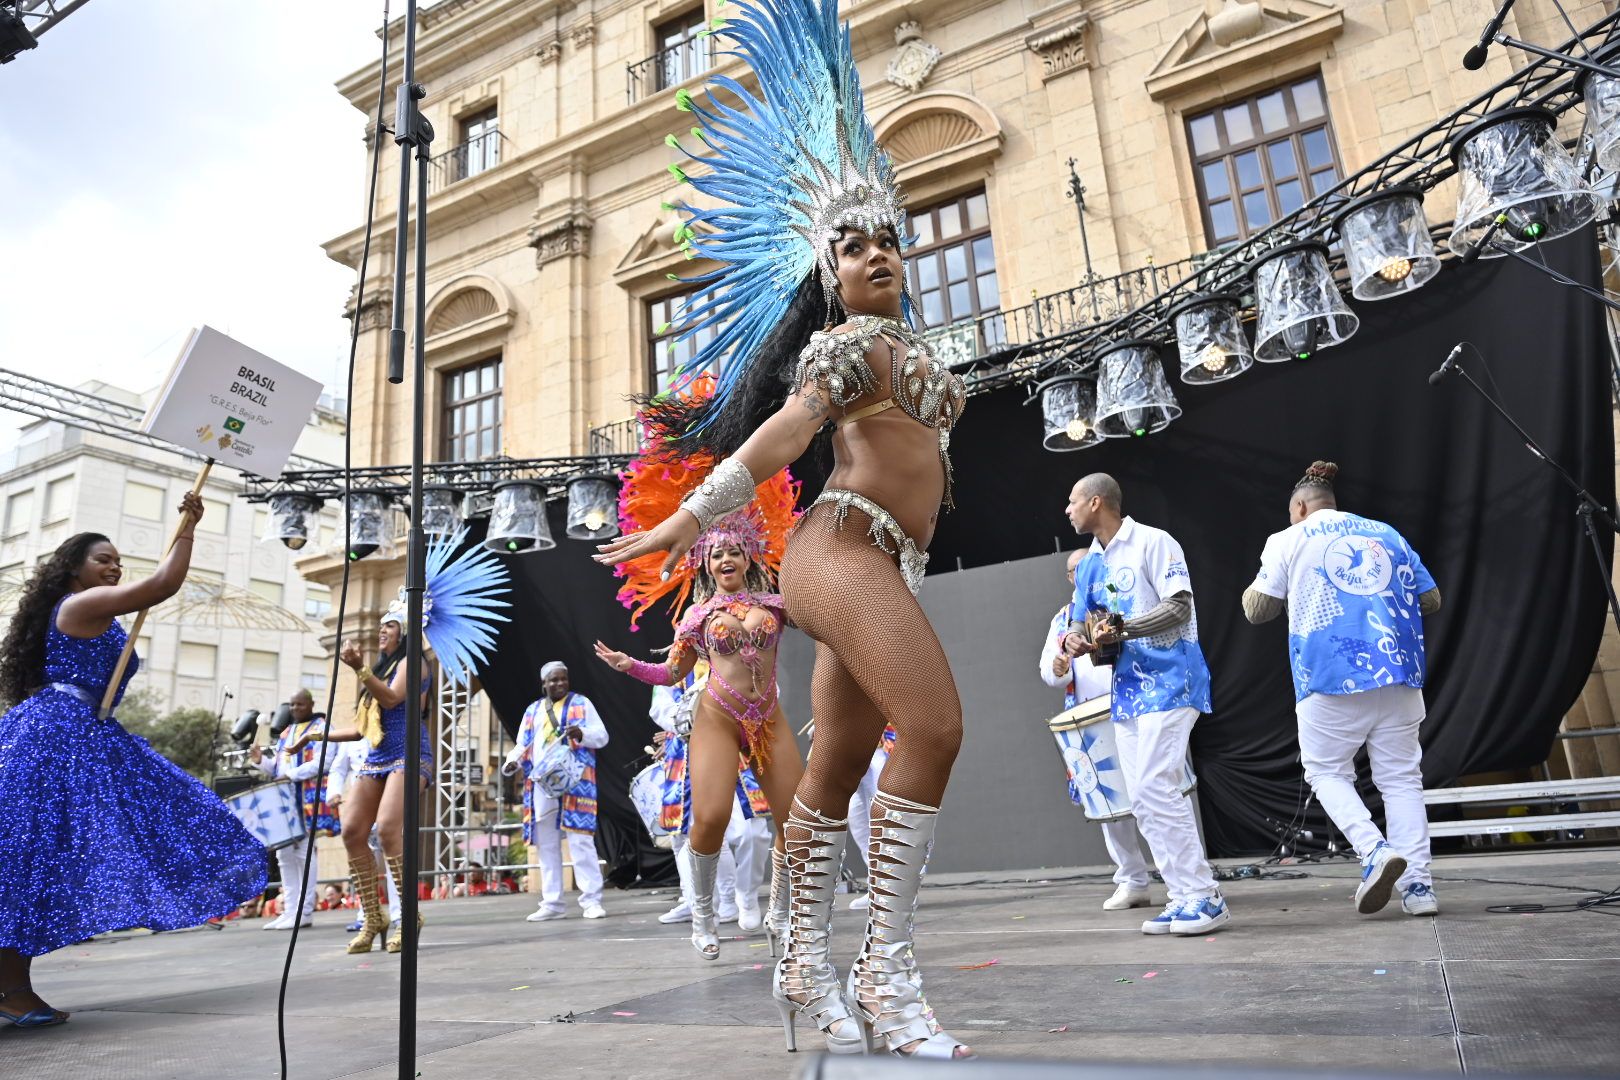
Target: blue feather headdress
{"points": [[789, 170], [464, 596]]}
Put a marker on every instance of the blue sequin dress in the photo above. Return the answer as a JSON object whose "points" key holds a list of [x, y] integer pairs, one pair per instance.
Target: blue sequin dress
{"points": [[98, 831], [389, 755]]}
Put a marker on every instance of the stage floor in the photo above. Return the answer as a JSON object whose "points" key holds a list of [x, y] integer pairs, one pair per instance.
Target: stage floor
{"points": [[1024, 966]]}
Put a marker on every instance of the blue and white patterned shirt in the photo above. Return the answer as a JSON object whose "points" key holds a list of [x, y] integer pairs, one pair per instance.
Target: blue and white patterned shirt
{"points": [[1352, 586], [1139, 568]]}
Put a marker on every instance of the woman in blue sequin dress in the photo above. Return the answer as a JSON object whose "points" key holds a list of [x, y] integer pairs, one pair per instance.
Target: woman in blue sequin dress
{"points": [[101, 832], [378, 792]]}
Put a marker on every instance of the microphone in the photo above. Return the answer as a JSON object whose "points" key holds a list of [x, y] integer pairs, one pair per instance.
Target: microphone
{"points": [[1485, 239], [1447, 367], [1474, 59]]}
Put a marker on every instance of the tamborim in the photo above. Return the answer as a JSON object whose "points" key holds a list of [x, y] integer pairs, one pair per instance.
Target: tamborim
{"points": [[557, 770], [270, 812], [1085, 739]]}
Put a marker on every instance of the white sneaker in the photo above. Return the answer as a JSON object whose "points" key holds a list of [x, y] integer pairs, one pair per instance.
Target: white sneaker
{"points": [[725, 915], [278, 923], [1201, 917], [1419, 899], [681, 912], [596, 911], [1379, 872], [545, 915], [1128, 896], [861, 902], [1164, 920], [749, 917]]}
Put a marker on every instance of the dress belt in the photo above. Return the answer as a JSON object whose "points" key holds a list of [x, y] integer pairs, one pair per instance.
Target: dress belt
{"points": [[77, 691]]}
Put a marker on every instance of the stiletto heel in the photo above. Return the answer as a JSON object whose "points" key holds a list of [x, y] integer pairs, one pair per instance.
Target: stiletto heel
{"points": [[804, 979], [364, 872], [884, 982], [787, 1011], [705, 931]]}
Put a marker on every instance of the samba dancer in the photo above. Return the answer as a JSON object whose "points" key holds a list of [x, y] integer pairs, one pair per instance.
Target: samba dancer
{"points": [[1138, 574], [560, 714], [734, 625], [320, 816], [1081, 680], [458, 609], [804, 222], [339, 778], [102, 831], [1356, 594]]}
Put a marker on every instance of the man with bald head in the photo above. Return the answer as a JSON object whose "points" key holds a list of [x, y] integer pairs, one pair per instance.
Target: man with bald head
{"points": [[1135, 592], [1081, 681], [561, 714], [303, 769], [1356, 593]]}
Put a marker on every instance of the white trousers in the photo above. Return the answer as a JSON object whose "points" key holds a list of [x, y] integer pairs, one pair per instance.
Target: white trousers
{"points": [[1124, 845], [860, 813], [725, 875], [748, 839], [581, 851], [388, 878], [297, 893], [1332, 727], [1152, 750]]}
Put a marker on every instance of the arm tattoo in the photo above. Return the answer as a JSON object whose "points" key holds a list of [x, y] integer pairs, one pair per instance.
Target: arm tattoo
{"points": [[813, 404]]}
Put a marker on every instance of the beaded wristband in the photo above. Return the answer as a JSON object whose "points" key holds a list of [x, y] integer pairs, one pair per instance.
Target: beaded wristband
{"points": [[652, 674]]}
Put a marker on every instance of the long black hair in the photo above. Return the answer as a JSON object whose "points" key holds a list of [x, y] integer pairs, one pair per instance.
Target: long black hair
{"points": [[22, 654], [681, 428]]}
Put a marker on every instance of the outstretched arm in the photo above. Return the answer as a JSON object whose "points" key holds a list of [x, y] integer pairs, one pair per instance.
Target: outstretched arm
{"points": [[83, 612], [682, 658]]}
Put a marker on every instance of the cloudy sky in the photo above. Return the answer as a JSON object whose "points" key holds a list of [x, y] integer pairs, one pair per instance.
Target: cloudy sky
{"points": [[169, 163]]}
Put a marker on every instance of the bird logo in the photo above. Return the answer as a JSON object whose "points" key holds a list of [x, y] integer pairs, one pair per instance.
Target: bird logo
{"points": [[1359, 565]]}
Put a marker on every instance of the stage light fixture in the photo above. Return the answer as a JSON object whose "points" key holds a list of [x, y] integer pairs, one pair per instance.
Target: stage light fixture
{"points": [[1512, 163], [1602, 96], [1133, 396], [1387, 246], [441, 510], [1209, 337], [593, 508], [517, 523], [1069, 409], [293, 519], [1301, 310], [370, 526], [15, 37]]}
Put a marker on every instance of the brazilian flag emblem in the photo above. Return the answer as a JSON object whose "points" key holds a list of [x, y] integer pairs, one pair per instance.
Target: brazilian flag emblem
{"points": [[234, 424]]}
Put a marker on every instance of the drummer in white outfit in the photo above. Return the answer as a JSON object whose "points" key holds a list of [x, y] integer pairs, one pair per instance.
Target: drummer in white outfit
{"points": [[346, 762], [1160, 686], [1080, 681], [302, 768], [1356, 594]]}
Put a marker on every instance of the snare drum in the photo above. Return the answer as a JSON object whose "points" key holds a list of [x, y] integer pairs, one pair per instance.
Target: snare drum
{"points": [[647, 793], [271, 813], [557, 770], [1085, 739], [1091, 758]]}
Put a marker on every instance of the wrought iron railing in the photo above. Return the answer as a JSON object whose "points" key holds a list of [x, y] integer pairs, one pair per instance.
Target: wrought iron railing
{"points": [[617, 438], [472, 157], [668, 67]]}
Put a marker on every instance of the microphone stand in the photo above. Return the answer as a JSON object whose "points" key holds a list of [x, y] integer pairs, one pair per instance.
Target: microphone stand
{"points": [[411, 131], [1587, 507]]}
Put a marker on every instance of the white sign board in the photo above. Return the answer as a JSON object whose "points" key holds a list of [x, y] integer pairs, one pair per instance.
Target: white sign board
{"points": [[228, 402]]}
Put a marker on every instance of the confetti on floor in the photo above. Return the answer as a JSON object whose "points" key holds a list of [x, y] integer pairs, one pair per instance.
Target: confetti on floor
{"points": [[978, 967], [1150, 974], [1057, 1030], [520, 988], [1122, 980], [1380, 971], [624, 1014]]}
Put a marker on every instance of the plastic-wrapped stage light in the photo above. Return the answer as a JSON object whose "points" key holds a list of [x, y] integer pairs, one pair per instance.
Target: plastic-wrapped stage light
{"points": [[1602, 96], [518, 521], [1133, 396], [1512, 163], [1069, 408], [593, 508], [1386, 242], [293, 519], [1301, 310], [441, 510], [1209, 337], [371, 526]]}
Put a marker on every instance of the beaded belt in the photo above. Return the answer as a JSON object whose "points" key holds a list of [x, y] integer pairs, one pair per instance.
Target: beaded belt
{"points": [[887, 535], [78, 692]]}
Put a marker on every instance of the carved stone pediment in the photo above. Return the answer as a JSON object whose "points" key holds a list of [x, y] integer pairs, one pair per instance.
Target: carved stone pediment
{"points": [[1286, 27]]}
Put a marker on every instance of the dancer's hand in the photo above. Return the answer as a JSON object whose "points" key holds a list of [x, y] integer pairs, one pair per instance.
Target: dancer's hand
{"points": [[350, 654], [618, 661], [191, 509], [675, 534]]}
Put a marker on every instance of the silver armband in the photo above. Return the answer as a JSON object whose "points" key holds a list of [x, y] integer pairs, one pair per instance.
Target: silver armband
{"points": [[729, 487]]}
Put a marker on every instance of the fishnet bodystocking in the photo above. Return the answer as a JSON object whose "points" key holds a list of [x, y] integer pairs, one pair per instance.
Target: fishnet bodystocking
{"points": [[878, 661]]}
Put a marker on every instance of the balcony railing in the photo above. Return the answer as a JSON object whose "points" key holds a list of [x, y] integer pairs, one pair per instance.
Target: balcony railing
{"points": [[469, 159], [619, 437], [668, 67]]}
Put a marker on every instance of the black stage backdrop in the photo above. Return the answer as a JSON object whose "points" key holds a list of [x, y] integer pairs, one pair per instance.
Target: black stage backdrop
{"points": [[1524, 603]]}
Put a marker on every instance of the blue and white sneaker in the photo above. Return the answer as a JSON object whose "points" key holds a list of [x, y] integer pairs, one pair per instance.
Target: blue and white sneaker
{"points": [[1201, 917], [1419, 899], [1164, 920], [1379, 873], [356, 926]]}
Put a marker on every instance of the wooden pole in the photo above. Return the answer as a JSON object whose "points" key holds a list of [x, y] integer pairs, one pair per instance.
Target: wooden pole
{"points": [[140, 616]]}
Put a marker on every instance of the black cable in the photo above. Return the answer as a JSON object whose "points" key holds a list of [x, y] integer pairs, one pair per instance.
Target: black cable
{"points": [[343, 589]]}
